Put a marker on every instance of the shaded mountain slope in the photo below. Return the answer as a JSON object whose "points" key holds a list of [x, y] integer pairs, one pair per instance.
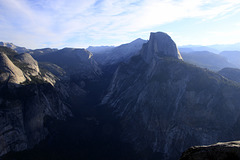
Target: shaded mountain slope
{"points": [[27, 97], [231, 73], [168, 105]]}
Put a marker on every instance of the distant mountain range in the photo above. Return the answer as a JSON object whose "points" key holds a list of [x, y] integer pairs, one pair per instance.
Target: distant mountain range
{"points": [[213, 57], [206, 59], [141, 100], [185, 48], [211, 48], [14, 47], [113, 55]]}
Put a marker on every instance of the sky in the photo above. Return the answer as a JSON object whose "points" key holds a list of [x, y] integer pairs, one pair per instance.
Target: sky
{"points": [[82, 23]]}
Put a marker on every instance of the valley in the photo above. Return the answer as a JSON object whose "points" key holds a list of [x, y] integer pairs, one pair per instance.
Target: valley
{"points": [[141, 100]]}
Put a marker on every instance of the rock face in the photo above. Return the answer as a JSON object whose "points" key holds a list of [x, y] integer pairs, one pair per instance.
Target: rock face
{"points": [[160, 45], [25, 107], [220, 151], [9, 72], [168, 105], [30, 63], [23, 113]]}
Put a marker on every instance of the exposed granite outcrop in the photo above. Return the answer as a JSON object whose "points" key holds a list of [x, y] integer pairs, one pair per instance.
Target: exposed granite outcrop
{"points": [[160, 45], [219, 151], [9, 72], [31, 64]]}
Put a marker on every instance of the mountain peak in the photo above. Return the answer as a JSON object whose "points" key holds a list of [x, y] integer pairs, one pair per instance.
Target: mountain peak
{"points": [[14, 47], [160, 45]]}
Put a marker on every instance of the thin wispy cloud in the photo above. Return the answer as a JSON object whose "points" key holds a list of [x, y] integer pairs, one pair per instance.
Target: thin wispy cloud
{"points": [[79, 23]]}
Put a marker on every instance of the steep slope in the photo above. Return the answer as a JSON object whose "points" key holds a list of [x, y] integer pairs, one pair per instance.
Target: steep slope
{"points": [[231, 73], [30, 64], [220, 151], [24, 110], [118, 54], [160, 45], [25, 107], [205, 59], [167, 105]]}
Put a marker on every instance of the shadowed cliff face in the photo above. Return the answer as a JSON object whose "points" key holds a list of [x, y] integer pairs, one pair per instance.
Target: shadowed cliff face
{"points": [[31, 97], [168, 105], [27, 97], [23, 110]]}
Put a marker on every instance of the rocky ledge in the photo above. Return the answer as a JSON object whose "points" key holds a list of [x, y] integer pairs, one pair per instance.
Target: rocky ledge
{"points": [[219, 151]]}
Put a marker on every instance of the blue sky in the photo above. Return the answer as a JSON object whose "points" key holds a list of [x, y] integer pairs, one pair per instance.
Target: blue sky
{"points": [[80, 23]]}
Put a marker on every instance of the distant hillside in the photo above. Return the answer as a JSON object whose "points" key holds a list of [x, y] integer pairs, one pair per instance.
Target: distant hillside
{"points": [[231, 73], [118, 54], [73, 61], [190, 48], [205, 59], [211, 48], [232, 56], [100, 49], [40, 52], [227, 47]]}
